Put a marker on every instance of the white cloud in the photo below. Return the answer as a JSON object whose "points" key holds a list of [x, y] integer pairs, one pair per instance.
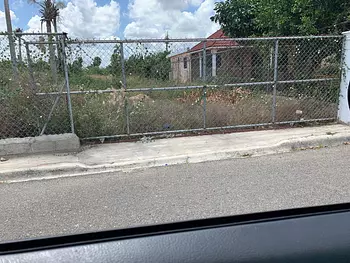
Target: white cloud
{"points": [[179, 4], [34, 25], [149, 19], [153, 18], [85, 19], [3, 20]]}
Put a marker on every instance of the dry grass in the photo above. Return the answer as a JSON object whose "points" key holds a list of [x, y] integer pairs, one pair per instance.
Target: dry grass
{"points": [[156, 111], [161, 115], [101, 77], [103, 114]]}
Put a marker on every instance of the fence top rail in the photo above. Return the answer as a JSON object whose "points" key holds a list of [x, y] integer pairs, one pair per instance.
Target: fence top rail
{"points": [[40, 42], [154, 40], [33, 34], [158, 40]]}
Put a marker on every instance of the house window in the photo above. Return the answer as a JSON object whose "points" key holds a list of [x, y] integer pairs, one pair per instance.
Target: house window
{"points": [[185, 63]]}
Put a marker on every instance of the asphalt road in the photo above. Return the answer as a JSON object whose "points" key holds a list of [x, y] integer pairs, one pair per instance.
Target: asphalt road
{"points": [[174, 193]]}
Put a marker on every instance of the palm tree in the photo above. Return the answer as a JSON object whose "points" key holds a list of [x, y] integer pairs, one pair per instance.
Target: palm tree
{"points": [[49, 10], [59, 5]]}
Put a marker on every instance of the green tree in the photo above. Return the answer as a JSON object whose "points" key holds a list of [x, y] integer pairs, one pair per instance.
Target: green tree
{"points": [[135, 64], [96, 62], [76, 66], [157, 66], [115, 67], [244, 18], [236, 17], [115, 64], [150, 65]]}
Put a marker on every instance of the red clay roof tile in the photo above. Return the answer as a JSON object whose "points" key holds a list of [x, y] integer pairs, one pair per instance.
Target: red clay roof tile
{"points": [[212, 44]]}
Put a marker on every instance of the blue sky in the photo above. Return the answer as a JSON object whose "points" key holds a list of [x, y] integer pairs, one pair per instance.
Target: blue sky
{"points": [[122, 18], [25, 11]]}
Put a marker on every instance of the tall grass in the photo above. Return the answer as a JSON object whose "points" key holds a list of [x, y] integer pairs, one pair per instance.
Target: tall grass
{"points": [[100, 115]]}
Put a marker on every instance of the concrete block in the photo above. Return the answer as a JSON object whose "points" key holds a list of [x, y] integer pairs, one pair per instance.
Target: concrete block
{"points": [[40, 144], [43, 146], [67, 143], [46, 138], [16, 141], [17, 148], [2, 150]]}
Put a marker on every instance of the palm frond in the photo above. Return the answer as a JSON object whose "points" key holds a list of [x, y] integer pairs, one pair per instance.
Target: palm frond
{"points": [[49, 10]]}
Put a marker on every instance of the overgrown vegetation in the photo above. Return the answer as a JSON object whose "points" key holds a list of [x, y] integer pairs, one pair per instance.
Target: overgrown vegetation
{"points": [[159, 111], [106, 114], [119, 112], [245, 18]]}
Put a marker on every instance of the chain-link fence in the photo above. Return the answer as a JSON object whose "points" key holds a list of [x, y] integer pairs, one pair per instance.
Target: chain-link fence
{"points": [[122, 88], [38, 67]]}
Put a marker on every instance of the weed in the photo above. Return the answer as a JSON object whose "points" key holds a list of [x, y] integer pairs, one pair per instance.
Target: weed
{"points": [[152, 111]]}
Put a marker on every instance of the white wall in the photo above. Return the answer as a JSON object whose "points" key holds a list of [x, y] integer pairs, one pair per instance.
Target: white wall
{"points": [[344, 107], [179, 72]]}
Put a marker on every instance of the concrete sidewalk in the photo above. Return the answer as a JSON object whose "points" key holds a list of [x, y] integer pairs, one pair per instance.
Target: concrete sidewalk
{"points": [[163, 152]]}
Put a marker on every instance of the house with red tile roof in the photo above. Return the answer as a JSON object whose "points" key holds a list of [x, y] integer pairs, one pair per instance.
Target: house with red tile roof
{"points": [[218, 57]]}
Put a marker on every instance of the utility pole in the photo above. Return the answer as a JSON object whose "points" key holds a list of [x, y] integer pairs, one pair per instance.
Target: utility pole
{"points": [[10, 36]]}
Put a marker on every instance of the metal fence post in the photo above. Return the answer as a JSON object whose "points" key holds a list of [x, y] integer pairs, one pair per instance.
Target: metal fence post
{"points": [[204, 87], [122, 61], [204, 107], [204, 61], [275, 80], [20, 49], [13, 56], [66, 76], [32, 80], [269, 67], [34, 88]]}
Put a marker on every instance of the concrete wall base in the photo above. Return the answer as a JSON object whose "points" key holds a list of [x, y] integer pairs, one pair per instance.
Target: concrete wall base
{"points": [[42, 144]]}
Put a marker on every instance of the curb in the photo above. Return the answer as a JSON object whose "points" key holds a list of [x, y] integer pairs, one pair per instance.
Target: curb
{"points": [[78, 169]]}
